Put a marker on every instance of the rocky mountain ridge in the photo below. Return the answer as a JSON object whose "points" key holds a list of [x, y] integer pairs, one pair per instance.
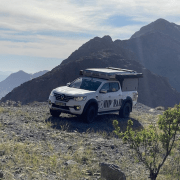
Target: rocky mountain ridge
{"points": [[153, 90], [98, 44], [156, 46]]}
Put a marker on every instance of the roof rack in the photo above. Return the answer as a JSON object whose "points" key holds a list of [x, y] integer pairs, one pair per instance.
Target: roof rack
{"points": [[110, 73], [119, 69]]}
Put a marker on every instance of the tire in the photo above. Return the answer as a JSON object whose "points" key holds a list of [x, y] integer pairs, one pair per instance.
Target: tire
{"points": [[125, 111], [90, 114], [55, 113]]}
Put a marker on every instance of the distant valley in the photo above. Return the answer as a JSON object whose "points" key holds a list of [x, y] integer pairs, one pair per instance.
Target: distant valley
{"points": [[16, 79]]}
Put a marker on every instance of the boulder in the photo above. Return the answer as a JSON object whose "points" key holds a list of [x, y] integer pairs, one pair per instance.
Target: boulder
{"points": [[111, 172]]}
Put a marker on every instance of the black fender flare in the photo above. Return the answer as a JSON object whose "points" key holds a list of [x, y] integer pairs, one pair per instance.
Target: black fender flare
{"points": [[129, 100], [90, 102]]}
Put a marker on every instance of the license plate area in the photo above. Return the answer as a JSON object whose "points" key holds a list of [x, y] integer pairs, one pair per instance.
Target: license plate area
{"points": [[60, 103]]}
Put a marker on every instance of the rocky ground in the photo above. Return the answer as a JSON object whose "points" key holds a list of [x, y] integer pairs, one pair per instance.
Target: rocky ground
{"points": [[34, 145]]}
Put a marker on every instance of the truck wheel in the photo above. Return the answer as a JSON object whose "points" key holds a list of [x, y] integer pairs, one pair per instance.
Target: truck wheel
{"points": [[55, 113], [90, 114], [125, 111]]}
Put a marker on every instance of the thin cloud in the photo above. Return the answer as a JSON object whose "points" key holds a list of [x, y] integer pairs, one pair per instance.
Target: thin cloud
{"points": [[45, 47], [68, 16], [22, 23]]}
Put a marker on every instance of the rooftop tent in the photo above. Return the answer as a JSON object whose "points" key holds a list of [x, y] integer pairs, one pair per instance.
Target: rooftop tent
{"points": [[110, 73], [128, 79]]}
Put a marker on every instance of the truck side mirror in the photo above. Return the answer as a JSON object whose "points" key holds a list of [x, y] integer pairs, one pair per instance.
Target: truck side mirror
{"points": [[103, 91], [68, 84]]}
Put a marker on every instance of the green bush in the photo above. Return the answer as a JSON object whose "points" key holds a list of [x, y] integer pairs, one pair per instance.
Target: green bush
{"points": [[154, 144]]}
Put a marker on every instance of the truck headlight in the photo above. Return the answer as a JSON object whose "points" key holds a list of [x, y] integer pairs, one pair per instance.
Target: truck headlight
{"points": [[52, 93], [80, 98]]}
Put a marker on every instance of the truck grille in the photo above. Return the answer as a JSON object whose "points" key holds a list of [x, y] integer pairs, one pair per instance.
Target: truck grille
{"points": [[62, 97]]}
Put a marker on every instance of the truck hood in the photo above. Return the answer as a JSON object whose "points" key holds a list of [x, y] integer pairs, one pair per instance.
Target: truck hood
{"points": [[72, 91]]}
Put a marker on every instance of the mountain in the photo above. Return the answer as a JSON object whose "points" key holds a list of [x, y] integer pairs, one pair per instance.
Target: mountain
{"points": [[4, 75], [154, 90], [157, 47], [97, 44], [40, 73], [162, 26], [16, 79]]}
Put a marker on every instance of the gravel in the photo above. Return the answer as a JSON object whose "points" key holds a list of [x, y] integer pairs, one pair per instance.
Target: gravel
{"points": [[33, 123]]}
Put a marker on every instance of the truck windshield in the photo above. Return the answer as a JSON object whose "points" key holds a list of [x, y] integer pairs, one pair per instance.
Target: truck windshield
{"points": [[87, 84]]}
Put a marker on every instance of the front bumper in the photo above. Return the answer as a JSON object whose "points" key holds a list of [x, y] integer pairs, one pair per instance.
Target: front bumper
{"points": [[71, 107]]}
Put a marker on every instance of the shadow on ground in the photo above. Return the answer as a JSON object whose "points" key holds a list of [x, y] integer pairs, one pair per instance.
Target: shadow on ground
{"points": [[102, 123]]}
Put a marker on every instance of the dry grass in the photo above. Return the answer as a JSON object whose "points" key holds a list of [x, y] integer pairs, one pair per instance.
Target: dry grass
{"points": [[40, 160], [144, 118], [2, 110]]}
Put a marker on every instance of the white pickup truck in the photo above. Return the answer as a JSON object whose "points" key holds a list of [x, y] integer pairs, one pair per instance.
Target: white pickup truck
{"points": [[98, 91]]}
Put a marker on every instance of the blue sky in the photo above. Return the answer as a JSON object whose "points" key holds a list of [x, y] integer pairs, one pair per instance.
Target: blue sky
{"points": [[37, 35]]}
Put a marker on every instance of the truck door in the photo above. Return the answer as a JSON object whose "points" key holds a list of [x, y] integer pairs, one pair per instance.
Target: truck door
{"points": [[110, 100], [104, 98], [115, 95]]}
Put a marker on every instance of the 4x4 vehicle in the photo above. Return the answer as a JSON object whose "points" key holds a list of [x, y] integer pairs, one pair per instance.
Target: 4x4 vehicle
{"points": [[98, 91]]}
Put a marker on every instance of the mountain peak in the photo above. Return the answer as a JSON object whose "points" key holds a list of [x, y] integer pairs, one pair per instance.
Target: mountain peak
{"points": [[20, 71], [160, 23], [162, 20], [107, 38], [93, 45], [19, 74], [162, 26]]}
